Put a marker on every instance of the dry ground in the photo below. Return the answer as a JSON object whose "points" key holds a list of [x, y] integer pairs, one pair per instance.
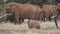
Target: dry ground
{"points": [[46, 28]]}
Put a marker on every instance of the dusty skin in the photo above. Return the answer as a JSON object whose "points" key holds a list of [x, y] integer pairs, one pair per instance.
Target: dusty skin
{"points": [[46, 28]]}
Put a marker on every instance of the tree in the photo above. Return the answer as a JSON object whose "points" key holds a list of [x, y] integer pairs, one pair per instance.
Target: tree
{"points": [[38, 2], [57, 1], [18, 1]]}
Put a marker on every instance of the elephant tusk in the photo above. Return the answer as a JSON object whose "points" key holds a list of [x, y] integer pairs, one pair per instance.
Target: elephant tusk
{"points": [[53, 16]]}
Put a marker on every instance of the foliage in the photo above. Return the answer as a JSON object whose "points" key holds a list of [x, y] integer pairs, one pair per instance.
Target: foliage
{"points": [[19, 1], [34, 1], [38, 2], [1, 7]]}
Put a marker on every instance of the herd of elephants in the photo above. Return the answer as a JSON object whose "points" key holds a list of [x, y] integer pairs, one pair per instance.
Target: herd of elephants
{"points": [[18, 12]]}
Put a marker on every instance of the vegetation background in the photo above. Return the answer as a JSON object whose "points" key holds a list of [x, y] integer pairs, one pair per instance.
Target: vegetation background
{"points": [[38, 2]]}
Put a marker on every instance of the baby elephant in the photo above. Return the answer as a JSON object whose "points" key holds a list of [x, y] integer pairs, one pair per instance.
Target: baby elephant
{"points": [[34, 24]]}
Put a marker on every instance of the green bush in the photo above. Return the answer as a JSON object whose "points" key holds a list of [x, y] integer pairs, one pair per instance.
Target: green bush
{"points": [[1, 7]]}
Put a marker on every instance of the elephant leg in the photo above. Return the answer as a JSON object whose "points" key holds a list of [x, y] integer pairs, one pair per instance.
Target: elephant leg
{"points": [[22, 20], [44, 19], [50, 19], [11, 19], [55, 19], [16, 19], [28, 23]]}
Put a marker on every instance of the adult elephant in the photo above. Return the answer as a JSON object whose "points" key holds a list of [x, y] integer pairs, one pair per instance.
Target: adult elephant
{"points": [[7, 9], [27, 11], [50, 11], [24, 11]]}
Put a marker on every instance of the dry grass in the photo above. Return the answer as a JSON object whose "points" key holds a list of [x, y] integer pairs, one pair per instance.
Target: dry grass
{"points": [[46, 28]]}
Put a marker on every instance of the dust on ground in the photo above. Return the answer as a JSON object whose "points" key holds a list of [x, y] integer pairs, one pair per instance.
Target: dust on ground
{"points": [[46, 28]]}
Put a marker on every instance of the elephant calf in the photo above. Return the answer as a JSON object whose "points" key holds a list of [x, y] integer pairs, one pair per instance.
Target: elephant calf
{"points": [[34, 24]]}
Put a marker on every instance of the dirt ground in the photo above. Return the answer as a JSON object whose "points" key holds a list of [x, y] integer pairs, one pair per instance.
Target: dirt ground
{"points": [[46, 28]]}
